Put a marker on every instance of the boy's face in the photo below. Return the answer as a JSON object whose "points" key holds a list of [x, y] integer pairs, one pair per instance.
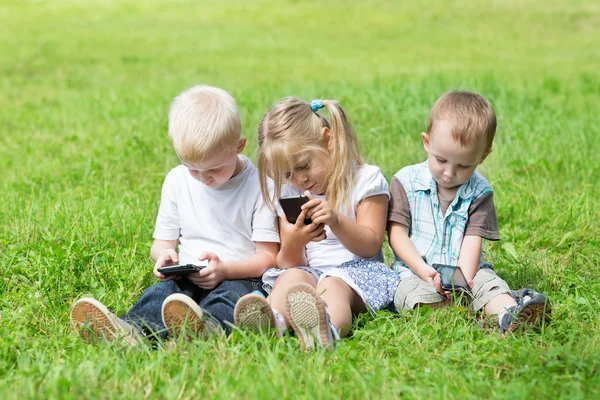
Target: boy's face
{"points": [[450, 163], [310, 172], [218, 168]]}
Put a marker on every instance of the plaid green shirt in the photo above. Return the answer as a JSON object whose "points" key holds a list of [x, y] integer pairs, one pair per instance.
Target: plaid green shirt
{"points": [[437, 238]]}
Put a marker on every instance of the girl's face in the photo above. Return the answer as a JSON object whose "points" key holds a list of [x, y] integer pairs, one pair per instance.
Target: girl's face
{"points": [[310, 172]]}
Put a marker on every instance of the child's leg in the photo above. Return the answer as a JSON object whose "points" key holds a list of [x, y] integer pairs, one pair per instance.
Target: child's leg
{"points": [[491, 293], [342, 302], [279, 294], [413, 292], [146, 314], [220, 302]]}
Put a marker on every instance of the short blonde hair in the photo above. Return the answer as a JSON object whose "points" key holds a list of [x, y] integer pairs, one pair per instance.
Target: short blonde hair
{"points": [[470, 114], [203, 120], [291, 128]]}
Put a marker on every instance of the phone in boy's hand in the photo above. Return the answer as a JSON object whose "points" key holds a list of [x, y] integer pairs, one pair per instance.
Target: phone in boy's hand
{"points": [[452, 278], [179, 269], [291, 206]]}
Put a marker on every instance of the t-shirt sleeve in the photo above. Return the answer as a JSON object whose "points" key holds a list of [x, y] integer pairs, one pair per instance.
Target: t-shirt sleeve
{"points": [[264, 221], [399, 208], [371, 183], [167, 221], [482, 218]]}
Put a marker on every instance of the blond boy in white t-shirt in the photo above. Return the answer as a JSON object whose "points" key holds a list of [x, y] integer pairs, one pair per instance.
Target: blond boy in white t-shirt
{"points": [[211, 213]]}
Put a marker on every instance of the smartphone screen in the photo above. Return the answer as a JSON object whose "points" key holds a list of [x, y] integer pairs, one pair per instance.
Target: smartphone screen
{"points": [[452, 277], [291, 206]]}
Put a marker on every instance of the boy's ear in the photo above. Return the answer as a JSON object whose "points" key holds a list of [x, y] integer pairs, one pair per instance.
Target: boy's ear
{"points": [[484, 156], [425, 138], [241, 145]]}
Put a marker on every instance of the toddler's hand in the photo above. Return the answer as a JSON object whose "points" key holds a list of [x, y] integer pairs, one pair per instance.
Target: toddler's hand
{"points": [[299, 233], [211, 276], [320, 211], [433, 278], [167, 257]]}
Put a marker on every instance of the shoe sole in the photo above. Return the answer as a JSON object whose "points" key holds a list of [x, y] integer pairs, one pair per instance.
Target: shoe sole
{"points": [[534, 315], [93, 321], [182, 316], [306, 313], [253, 312]]}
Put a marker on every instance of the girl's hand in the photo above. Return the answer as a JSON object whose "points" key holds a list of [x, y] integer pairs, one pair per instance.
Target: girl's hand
{"points": [[299, 233], [211, 276], [167, 257], [320, 211]]}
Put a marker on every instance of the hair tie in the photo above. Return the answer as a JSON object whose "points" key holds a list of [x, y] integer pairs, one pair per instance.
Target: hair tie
{"points": [[316, 104]]}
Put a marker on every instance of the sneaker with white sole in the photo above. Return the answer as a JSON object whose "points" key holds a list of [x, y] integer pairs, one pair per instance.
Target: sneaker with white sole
{"points": [[308, 316], [93, 321], [253, 312], [182, 316], [532, 308]]}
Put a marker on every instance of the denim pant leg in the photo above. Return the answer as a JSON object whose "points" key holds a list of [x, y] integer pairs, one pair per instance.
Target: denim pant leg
{"points": [[146, 314], [220, 302]]}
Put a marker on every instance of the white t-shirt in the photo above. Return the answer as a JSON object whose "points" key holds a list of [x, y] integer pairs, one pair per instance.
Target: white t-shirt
{"points": [[369, 181], [226, 221]]}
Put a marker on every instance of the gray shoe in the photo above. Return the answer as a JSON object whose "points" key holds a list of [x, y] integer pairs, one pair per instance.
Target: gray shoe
{"points": [[532, 308], [92, 320]]}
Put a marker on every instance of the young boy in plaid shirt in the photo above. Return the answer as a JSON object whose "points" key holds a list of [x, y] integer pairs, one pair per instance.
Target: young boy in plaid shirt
{"points": [[441, 209]]}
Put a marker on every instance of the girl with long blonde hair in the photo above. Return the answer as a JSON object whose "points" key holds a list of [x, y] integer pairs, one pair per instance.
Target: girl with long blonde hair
{"points": [[330, 269]]}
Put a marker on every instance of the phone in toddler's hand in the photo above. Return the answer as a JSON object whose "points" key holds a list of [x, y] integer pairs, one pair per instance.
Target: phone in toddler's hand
{"points": [[452, 278], [179, 269], [291, 206]]}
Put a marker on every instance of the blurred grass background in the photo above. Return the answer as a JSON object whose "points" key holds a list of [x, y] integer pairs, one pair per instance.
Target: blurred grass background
{"points": [[85, 88]]}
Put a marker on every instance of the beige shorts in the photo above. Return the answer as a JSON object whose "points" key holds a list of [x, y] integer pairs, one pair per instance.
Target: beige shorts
{"points": [[413, 290]]}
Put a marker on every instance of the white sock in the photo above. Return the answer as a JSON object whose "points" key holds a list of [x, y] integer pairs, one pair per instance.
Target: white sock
{"points": [[279, 321], [334, 332], [500, 316]]}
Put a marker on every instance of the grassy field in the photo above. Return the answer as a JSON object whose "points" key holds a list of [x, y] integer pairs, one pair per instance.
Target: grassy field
{"points": [[85, 88]]}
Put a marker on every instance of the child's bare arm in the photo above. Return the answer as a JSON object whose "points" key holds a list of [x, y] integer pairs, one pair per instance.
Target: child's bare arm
{"points": [[470, 253], [164, 252], [253, 266], [159, 246], [406, 251], [294, 238], [365, 236]]}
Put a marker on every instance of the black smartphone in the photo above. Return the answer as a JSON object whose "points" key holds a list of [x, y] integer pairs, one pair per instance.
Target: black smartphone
{"points": [[291, 207], [179, 270], [452, 278]]}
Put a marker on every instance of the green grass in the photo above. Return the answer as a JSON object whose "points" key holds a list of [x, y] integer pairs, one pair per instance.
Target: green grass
{"points": [[85, 89]]}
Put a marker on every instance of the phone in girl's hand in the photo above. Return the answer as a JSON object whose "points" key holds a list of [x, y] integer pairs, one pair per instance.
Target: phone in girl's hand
{"points": [[291, 206]]}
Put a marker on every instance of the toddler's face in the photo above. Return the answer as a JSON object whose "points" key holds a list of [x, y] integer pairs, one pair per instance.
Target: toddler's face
{"points": [[450, 163], [310, 172], [216, 170]]}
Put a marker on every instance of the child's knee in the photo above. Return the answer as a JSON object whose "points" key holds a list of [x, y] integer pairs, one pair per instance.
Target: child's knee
{"points": [[413, 291], [294, 275], [486, 286]]}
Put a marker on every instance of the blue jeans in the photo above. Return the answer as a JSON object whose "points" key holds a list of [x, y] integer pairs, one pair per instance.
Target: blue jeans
{"points": [[217, 303]]}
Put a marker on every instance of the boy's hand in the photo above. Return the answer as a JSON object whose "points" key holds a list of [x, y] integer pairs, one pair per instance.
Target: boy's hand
{"points": [[167, 257], [211, 276], [320, 211], [433, 278], [299, 233]]}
